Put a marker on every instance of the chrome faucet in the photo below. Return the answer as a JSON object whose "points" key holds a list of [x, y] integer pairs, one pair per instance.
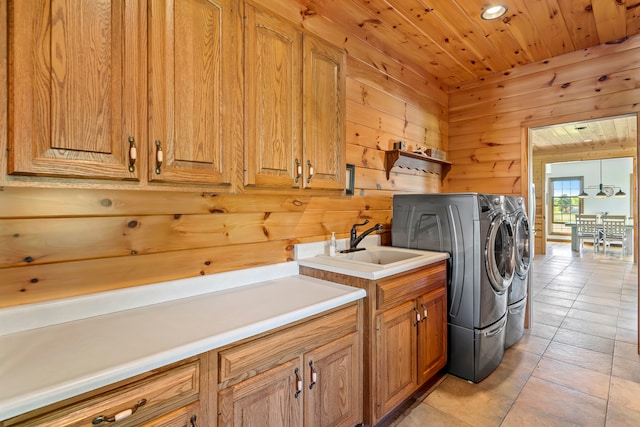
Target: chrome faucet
{"points": [[354, 239]]}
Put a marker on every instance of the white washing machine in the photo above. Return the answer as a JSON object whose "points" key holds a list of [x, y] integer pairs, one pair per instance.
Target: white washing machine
{"points": [[517, 293], [478, 235]]}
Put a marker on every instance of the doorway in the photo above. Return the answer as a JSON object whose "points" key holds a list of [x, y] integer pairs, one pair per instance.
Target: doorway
{"points": [[590, 143], [587, 187], [594, 139]]}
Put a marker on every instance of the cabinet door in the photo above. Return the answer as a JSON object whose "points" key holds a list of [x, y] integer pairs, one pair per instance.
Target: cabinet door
{"points": [[74, 72], [332, 384], [396, 342], [324, 111], [273, 101], [270, 399], [432, 334], [186, 60]]}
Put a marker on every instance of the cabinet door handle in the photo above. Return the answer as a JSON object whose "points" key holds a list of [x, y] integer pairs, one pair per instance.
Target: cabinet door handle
{"points": [[310, 171], [120, 415], [417, 316], [133, 154], [159, 157], [313, 375], [298, 171], [193, 421], [298, 383], [425, 313]]}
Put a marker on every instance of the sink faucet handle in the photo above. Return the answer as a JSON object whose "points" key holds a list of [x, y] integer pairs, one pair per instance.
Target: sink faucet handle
{"points": [[355, 226]]}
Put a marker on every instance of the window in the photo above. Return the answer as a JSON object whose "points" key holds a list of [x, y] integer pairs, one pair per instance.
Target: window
{"points": [[565, 203]]}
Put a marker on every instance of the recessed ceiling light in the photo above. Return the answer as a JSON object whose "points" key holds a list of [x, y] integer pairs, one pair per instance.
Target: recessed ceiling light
{"points": [[494, 12]]}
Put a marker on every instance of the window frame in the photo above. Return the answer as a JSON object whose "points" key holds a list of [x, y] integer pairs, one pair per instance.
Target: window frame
{"points": [[557, 227]]}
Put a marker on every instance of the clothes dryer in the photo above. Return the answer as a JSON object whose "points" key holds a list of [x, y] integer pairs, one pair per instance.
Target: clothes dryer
{"points": [[478, 235], [517, 292]]}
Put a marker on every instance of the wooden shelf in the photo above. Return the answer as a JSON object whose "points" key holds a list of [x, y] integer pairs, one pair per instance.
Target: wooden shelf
{"points": [[408, 160]]}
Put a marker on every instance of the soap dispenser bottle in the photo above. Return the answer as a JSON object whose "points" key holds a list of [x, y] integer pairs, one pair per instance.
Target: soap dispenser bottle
{"points": [[333, 244]]}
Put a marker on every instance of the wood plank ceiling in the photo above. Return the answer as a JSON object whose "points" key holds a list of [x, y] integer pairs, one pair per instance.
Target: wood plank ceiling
{"points": [[450, 40], [614, 134]]}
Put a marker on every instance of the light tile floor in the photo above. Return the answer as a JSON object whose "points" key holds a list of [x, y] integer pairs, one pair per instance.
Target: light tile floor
{"points": [[577, 366]]}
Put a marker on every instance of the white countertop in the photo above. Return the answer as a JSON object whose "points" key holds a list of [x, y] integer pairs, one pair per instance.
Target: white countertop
{"points": [[44, 364], [54, 350]]}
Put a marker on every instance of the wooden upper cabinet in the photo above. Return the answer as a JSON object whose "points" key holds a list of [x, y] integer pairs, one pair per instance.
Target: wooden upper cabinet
{"points": [[324, 112], [125, 90], [273, 104], [295, 89], [73, 94], [186, 59]]}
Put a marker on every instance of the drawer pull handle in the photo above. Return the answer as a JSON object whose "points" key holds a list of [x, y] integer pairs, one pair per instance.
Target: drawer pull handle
{"points": [[313, 375], [120, 415], [298, 383], [159, 157], [424, 312], [194, 421]]}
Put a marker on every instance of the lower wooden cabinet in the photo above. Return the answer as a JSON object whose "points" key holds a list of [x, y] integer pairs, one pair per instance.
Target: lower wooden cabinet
{"points": [[432, 334], [405, 333], [334, 381], [396, 362], [412, 347], [309, 374], [187, 416], [164, 398], [271, 398]]}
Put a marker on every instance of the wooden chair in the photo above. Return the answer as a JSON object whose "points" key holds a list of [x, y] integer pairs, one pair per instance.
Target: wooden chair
{"points": [[615, 217], [614, 230], [587, 229]]}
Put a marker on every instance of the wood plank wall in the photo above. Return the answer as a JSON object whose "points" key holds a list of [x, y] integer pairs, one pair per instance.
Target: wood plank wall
{"points": [[489, 118], [59, 239]]}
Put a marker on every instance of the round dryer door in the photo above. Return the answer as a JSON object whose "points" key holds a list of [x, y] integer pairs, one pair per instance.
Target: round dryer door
{"points": [[522, 248], [500, 253]]}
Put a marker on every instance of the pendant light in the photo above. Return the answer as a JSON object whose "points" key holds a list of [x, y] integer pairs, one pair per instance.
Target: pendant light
{"points": [[601, 194]]}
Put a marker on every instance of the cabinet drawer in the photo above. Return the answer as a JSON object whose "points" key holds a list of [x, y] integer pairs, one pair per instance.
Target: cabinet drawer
{"points": [[403, 287], [187, 416], [253, 357], [161, 393]]}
